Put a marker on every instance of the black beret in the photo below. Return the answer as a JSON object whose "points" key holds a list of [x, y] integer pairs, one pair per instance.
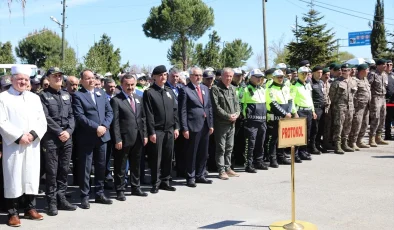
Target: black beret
{"points": [[345, 66], [293, 70], [159, 70], [288, 71], [304, 63], [362, 67], [389, 61], [381, 62], [317, 68], [332, 65], [269, 71], [326, 70]]}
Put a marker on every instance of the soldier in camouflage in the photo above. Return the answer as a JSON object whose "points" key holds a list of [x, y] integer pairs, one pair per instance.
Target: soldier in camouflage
{"points": [[341, 94], [325, 123], [378, 81], [362, 99]]}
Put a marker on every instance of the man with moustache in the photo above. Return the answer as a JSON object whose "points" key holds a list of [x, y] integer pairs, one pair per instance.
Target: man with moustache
{"points": [[196, 122], [57, 141], [22, 126], [72, 84], [93, 115], [324, 131], [128, 130], [162, 124]]}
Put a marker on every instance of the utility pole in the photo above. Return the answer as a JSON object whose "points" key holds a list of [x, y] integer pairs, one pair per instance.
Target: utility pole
{"points": [[296, 29], [63, 31], [265, 37]]}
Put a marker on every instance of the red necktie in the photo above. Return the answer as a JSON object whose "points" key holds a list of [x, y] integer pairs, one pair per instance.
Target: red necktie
{"points": [[132, 103], [199, 94]]}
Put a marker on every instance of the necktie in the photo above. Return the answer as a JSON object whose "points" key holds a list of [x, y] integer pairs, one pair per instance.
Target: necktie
{"points": [[132, 103], [92, 96], [199, 94]]}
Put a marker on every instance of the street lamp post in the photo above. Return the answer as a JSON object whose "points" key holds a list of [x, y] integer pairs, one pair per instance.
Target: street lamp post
{"points": [[265, 38], [63, 28]]}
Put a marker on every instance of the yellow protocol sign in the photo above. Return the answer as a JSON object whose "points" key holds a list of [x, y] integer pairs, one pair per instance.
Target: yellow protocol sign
{"points": [[292, 132]]}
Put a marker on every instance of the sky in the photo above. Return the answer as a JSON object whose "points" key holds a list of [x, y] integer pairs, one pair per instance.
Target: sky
{"points": [[122, 20]]}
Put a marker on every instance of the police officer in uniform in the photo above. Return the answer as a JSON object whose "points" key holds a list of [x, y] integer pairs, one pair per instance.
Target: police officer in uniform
{"points": [[318, 103], [362, 98], [254, 112], [57, 141], [378, 81], [162, 124], [342, 92], [239, 146], [279, 105], [301, 92]]}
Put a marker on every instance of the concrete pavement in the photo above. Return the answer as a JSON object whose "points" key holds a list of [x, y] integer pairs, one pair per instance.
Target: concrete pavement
{"points": [[351, 192]]}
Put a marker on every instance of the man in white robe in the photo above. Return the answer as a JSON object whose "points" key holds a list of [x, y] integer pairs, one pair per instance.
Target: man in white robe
{"points": [[22, 125]]}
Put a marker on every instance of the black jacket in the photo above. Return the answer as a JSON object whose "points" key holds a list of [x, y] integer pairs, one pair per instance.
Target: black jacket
{"points": [[161, 109], [126, 123]]}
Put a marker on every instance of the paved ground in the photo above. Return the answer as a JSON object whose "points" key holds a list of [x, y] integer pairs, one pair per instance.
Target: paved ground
{"points": [[353, 191]]}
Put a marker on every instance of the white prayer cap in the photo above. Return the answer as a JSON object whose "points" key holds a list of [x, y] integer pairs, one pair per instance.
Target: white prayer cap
{"points": [[21, 69]]}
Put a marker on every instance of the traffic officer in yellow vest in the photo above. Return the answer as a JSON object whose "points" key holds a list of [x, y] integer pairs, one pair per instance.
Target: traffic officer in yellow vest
{"points": [[254, 112], [279, 105], [301, 92]]}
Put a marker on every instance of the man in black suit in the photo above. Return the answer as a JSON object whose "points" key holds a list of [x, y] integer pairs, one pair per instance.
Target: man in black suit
{"points": [[93, 115], [128, 131], [162, 124], [196, 124]]}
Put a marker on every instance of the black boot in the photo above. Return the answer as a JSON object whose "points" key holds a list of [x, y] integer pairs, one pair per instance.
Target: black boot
{"points": [[297, 159], [274, 163], [67, 206], [314, 150], [52, 208]]}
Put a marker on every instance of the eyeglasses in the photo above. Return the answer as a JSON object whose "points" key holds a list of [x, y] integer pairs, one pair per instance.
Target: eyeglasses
{"points": [[390, 64], [197, 75]]}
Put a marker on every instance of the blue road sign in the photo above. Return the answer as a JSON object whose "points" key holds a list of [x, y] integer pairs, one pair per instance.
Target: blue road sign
{"points": [[362, 38]]}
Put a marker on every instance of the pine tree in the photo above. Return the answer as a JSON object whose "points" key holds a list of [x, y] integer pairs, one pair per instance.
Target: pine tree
{"points": [[315, 42], [378, 35]]}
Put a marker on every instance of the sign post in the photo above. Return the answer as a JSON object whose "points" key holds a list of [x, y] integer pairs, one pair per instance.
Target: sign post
{"points": [[361, 38], [291, 133]]}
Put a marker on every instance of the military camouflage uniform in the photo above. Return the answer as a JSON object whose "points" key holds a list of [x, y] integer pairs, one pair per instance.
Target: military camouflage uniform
{"points": [[362, 99], [326, 120], [341, 94], [378, 82]]}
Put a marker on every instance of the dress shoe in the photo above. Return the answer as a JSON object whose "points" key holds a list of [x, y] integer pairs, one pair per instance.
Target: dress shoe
{"points": [[203, 180], [33, 214], [102, 199], [52, 208], [164, 186], [250, 169], [261, 166], [283, 161], [191, 183], [297, 159], [120, 196], [14, 221], [154, 189], [109, 177], [85, 203], [304, 157], [138, 192]]}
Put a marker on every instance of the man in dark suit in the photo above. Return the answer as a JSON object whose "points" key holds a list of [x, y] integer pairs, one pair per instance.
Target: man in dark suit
{"points": [[162, 124], [196, 124], [129, 134], [93, 114]]}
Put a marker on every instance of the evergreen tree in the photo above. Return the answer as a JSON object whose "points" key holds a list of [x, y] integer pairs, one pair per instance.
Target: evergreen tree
{"points": [[315, 42], [209, 56], [6, 55], [378, 35], [235, 54]]}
